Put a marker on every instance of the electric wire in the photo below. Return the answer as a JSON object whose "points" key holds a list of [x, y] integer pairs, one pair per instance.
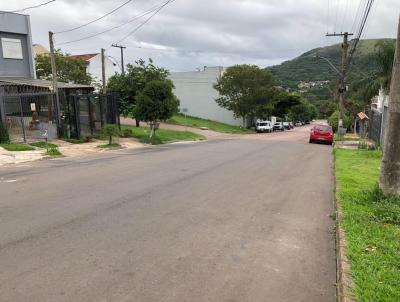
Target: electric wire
{"points": [[29, 7], [144, 22], [95, 20], [112, 28]]}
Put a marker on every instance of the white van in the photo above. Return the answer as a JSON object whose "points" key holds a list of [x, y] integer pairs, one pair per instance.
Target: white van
{"points": [[263, 126]]}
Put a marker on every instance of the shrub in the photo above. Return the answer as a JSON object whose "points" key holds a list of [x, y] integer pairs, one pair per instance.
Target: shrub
{"points": [[110, 131], [4, 137], [53, 151]]}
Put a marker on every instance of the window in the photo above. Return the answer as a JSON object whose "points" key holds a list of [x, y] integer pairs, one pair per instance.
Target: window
{"points": [[12, 48]]}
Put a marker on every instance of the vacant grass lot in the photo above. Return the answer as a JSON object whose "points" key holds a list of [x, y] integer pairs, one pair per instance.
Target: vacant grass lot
{"points": [[372, 225], [162, 136], [190, 121], [16, 147]]}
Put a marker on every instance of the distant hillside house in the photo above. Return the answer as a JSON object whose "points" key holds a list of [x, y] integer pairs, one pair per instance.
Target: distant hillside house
{"points": [[94, 66], [39, 49], [197, 95]]}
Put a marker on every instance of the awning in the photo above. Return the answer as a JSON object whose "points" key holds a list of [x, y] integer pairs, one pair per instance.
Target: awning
{"points": [[362, 116], [41, 83]]}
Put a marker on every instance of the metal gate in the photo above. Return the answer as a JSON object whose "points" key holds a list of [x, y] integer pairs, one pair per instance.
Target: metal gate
{"points": [[375, 127], [90, 112], [29, 116]]}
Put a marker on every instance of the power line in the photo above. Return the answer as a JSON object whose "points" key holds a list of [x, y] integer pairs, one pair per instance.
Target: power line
{"points": [[95, 20], [29, 7], [110, 29], [145, 21]]}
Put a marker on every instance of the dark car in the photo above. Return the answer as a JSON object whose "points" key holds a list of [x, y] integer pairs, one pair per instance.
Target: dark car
{"points": [[279, 126]]}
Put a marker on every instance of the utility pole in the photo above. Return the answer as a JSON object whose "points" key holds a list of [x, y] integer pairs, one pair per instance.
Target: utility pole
{"points": [[54, 78], [103, 70], [343, 72], [390, 168], [122, 56]]}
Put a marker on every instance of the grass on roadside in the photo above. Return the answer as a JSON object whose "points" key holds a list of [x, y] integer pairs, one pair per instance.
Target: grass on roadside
{"points": [[371, 222], [54, 152], [162, 136], [190, 121], [42, 145], [75, 141], [17, 147], [111, 146]]}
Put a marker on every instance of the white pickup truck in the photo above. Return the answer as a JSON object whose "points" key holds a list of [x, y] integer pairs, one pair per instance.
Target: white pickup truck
{"points": [[264, 126]]}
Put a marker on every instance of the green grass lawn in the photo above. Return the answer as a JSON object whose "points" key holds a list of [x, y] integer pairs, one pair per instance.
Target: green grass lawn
{"points": [[162, 136], [16, 147], [75, 141], [190, 121], [372, 225], [42, 145]]}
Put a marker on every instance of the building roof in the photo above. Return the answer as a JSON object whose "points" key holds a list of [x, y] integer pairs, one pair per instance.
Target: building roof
{"points": [[85, 57], [39, 83]]}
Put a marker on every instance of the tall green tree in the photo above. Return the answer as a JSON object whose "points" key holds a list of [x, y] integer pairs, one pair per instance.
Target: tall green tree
{"points": [[284, 102], [156, 103], [133, 82], [245, 90], [69, 69]]}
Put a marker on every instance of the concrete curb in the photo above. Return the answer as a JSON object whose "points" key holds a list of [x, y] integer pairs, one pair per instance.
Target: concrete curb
{"points": [[344, 279]]}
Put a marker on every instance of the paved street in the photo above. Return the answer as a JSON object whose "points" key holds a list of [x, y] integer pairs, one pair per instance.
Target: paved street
{"points": [[225, 220]]}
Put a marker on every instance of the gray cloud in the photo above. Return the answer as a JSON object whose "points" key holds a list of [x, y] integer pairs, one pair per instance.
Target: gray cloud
{"points": [[194, 33]]}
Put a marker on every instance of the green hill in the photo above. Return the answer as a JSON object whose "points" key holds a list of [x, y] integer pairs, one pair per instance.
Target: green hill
{"points": [[307, 68]]}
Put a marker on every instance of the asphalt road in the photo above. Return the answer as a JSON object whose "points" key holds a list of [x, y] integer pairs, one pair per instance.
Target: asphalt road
{"points": [[222, 220]]}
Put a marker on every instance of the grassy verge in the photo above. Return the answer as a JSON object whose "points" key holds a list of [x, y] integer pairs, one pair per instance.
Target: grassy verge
{"points": [[162, 136], [16, 147], [75, 141], [54, 152], [371, 222], [43, 145], [190, 121], [111, 146]]}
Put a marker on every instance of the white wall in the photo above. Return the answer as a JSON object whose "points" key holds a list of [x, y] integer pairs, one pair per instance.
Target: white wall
{"points": [[94, 68], [196, 93]]}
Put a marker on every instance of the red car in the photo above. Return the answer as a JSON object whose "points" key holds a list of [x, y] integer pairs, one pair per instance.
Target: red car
{"points": [[321, 133]]}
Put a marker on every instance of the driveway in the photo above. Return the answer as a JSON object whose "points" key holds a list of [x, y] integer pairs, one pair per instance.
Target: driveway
{"points": [[220, 220]]}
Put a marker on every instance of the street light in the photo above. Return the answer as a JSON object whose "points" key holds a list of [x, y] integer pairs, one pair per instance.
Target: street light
{"points": [[330, 63]]}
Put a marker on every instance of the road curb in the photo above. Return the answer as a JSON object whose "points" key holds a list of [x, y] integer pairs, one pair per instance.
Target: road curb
{"points": [[344, 279]]}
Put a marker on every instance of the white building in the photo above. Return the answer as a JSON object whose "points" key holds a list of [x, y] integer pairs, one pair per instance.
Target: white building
{"points": [[94, 66], [197, 95]]}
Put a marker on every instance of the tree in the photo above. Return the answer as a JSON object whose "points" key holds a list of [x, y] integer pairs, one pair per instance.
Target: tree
{"points": [[110, 131], [283, 102], [156, 103], [132, 83], [245, 90], [69, 69], [305, 111], [333, 121], [390, 168]]}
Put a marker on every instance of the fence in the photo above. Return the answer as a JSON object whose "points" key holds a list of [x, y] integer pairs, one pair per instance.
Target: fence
{"points": [[29, 116], [375, 126], [32, 116]]}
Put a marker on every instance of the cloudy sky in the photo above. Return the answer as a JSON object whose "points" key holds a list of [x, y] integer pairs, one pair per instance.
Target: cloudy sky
{"points": [[187, 34]]}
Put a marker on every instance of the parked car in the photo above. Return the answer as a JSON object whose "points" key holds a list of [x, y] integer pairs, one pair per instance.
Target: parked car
{"points": [[279, 126], [286, 125], [264, 126], [321, 133], [298, 124], [291, 125]]}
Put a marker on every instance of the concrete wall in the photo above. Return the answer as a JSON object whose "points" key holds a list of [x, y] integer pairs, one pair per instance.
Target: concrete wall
{"points": [[196, 93], [16, 26], [94, 68]]}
